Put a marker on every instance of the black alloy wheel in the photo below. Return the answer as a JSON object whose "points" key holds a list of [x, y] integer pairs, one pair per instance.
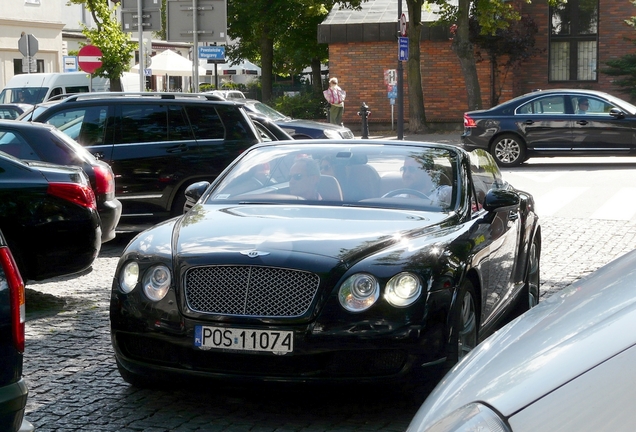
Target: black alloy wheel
{"points": [[508, 150]]}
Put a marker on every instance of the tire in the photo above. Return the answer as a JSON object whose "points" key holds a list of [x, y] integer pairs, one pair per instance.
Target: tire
{"points": [[529, 296], [464, 333], [508, 150]]}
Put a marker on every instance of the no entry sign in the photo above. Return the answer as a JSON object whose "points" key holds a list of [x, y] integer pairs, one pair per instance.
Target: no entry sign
{"points": [[89, 58]]}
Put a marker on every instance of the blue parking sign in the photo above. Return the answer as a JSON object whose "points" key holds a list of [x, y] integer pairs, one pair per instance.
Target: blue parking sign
{"points": [[403, 49]]}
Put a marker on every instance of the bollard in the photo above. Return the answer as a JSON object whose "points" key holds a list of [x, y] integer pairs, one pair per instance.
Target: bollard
{"points": [[365, 113]]}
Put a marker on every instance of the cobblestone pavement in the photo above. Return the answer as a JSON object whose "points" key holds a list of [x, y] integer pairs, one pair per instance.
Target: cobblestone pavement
{"points": [[74, 384]]}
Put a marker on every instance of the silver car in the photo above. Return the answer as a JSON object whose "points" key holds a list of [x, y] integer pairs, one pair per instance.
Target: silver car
{"points": [[565, 365]]}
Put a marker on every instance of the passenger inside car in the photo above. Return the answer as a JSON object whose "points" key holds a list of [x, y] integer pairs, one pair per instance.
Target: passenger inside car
{"points": [[304, 176]]}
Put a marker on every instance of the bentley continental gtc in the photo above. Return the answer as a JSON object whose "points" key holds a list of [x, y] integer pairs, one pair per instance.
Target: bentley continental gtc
{"points": [[328, 261]]}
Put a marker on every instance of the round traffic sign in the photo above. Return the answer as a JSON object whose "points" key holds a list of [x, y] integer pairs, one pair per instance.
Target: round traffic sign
{"points": [[403, 25], [89, 58]]}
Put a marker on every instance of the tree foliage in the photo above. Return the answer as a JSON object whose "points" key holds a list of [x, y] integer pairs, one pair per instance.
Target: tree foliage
{"points": [[506, 49], [279, 35], [116, 46]]}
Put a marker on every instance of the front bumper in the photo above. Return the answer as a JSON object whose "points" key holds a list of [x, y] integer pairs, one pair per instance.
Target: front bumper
{"points": [[396, 357]]}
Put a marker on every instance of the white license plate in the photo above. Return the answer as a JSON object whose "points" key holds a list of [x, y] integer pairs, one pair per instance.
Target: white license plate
{"points": [[206, 337]]}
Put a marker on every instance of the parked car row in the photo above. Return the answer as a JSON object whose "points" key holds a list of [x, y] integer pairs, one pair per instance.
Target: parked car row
{"points": [[156, 143], [38, 142], [48, 214]]}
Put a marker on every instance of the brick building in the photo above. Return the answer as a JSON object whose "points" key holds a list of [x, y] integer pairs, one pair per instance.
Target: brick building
{"points": [[578, 38]]}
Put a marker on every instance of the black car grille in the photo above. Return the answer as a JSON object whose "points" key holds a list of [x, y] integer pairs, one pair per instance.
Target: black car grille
{"points": [[250, 291]]}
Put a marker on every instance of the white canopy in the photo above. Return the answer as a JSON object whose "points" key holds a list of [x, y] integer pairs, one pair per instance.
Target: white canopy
{"points": [[170, 63]]}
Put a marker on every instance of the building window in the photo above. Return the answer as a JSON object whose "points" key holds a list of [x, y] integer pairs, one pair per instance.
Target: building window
{"points": [[574, 41], [19, 67]]}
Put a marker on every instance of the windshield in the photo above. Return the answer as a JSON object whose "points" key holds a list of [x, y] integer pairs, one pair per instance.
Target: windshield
{"points": [[393, 176], [268, 111], [28, 95]]}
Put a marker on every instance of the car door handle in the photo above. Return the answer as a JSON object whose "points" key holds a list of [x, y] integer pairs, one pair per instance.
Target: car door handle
{"points": [[177, 149], [99, 155], [529, 122], [582, 122], [513, 215]]}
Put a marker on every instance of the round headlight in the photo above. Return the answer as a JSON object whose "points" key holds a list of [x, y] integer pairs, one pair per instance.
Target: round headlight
{"points": [[403, 289], [359, 292], [129, 277], [332, 134], [157, 282]]}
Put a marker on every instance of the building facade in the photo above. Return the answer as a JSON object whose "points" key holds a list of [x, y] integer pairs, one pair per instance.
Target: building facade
{"points": [[576, 39]]}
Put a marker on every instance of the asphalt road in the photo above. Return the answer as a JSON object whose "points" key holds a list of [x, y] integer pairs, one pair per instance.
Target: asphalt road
{"points": [[74, 384]]}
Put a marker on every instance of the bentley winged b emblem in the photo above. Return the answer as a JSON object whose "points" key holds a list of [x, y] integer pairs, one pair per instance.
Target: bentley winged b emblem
{"points": [[253, 253]]}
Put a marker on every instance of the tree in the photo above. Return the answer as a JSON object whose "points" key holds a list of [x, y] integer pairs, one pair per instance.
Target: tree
{"points": [[492, 15], [417, 113], [116, 46], [513, 45], [624, 67], [268, 32]]}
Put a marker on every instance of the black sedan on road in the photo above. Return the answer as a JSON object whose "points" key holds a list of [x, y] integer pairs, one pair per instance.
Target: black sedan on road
{"points": [[553, 123], [49, 218], [328, 260], [39, 142]]}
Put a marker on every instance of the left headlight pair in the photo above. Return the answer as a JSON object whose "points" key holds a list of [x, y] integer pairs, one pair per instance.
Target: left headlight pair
{"points": [[360, 291], [155, 284]]}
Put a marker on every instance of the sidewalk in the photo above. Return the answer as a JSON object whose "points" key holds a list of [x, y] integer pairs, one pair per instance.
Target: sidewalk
{"points": [[451, 137]]}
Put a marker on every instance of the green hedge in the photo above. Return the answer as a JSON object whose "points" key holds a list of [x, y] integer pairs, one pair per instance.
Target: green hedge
{"points": [[305, 105]]}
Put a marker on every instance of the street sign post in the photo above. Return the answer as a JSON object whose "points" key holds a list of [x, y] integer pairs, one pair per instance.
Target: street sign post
{"points": [[28, 46], [214, 53], [89, 58], [403, 25], [211, 16]]}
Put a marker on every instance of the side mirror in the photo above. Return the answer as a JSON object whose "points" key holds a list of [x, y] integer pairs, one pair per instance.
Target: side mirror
{"points": [[615, 112], [193, 193], [500, 198]]}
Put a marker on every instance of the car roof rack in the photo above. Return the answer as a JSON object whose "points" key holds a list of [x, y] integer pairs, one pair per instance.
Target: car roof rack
{"points": [[157, 95]]}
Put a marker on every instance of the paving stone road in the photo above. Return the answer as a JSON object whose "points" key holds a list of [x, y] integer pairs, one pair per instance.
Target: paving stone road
{"points": [[74, 384]]}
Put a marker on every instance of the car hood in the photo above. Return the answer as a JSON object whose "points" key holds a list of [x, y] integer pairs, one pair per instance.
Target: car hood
{"points": [[560, 339], [309, 124], [339, 234]]}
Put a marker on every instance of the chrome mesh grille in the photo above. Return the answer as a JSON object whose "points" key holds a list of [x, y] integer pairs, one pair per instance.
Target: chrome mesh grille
{"points": [[250, 291]]}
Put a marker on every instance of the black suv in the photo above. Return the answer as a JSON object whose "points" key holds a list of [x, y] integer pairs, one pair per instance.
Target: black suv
{"points": [[156, 143]]}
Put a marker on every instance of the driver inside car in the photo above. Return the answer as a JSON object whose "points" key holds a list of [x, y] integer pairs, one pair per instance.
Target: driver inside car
{"points": [[419, 179]]}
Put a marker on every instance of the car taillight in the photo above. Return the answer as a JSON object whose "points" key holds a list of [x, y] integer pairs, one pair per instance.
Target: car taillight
{"points": [[80, 194], [469, 122], [16, 296], [104, 181]]}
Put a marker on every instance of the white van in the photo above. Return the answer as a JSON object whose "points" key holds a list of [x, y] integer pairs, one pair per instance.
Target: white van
{"points": [[38, 87]]}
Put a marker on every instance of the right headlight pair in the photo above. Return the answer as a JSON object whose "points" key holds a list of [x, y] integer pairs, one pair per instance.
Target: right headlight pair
{"points": [[362, 290]]}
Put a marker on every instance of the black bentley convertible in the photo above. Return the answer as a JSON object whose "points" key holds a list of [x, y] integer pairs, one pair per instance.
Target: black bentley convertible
{"points": [[326, 261]]}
